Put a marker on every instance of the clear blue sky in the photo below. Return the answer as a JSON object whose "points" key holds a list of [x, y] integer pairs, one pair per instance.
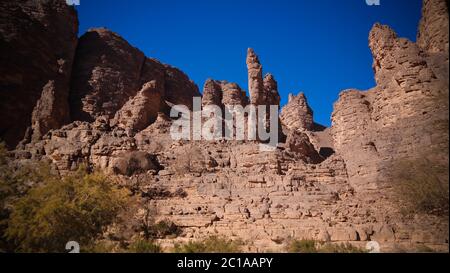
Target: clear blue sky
{"points": [[319, 47]]}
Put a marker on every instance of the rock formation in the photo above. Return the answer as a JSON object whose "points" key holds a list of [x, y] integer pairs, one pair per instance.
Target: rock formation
{"points": [[296, 114], [48, 31], [271, 90], [142, 110], [433, 28], [222, 93], [327, 184], [398, 117], [255, 79], [106, 73]]}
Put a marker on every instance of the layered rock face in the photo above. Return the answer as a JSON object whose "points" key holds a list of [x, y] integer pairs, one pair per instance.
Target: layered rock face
{"points": [[263, 91], [399, 117], [141, 110], [222, 93], [255, 78], [108, 71], [297, 115], [48, 31], [327, 184], [434, 28]]}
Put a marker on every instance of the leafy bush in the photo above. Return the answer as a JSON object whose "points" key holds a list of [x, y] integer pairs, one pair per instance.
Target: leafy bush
{"points": [[421, 185], [144, 246], [311, 246], [212, 244], [165, 228], [340, 248], [74, 208], [302, 246]]}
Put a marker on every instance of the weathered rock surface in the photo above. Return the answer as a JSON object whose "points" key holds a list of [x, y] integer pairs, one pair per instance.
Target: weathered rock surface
{"points": [[296, 114], [399, 117], [48, 30], [255, 78], [299, 143], [327, 184], [271, 90], [140, 111], [222, 93], [212, 93], [434, 28], [106, 73]]}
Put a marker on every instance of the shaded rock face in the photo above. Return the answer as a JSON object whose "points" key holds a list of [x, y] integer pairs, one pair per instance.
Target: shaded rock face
{"points": [[271, 90], [135, 162], [434, 28], [400, 117], [106, 73], [232, 188], [179, 89], [296, 114], [212, 93], [299, 143], [140, 111], [263, 91], [255, 78], [223, 93], [48, 30]]}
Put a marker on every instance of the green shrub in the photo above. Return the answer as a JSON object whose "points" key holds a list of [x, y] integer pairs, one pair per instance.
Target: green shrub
{"points": [[340, 248], [74, 208], [165, 228], [312, 246], [303, 246], [424, 249], [421, 185], [144, 246], [212, 244]]}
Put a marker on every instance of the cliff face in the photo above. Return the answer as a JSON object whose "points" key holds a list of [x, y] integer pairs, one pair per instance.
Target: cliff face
{"points": [[37, 41], [107, 107], [108, 71], [399, 117]]}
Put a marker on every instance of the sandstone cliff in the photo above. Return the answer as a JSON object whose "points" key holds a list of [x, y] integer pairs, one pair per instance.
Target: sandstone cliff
{"points": [[107, 108], [400, 116], [35, 82]]}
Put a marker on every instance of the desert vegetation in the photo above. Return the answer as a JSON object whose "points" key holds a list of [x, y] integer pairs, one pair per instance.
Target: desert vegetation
{"points": [[213, 244], [312, 246], [421, 185], [42, 211]]}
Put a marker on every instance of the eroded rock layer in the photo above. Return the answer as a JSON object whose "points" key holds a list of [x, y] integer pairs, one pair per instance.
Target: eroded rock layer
{"points": [[327, 184]]}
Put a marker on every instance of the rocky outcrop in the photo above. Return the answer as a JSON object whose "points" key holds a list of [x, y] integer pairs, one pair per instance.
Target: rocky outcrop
{"points": [[135, 162], [255, 78], [140, 111], [296, 114], [400, 117], [48, 31], [212, 93], [299, 143], [51, 110], [271, 90], [106, 73], [233, 94], [222, 93], [178, 88], [434, 28], [326, 184], [263, 91]]}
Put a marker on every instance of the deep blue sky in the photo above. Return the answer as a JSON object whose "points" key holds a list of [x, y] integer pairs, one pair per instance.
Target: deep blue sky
{"points": [[319, 47]]}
